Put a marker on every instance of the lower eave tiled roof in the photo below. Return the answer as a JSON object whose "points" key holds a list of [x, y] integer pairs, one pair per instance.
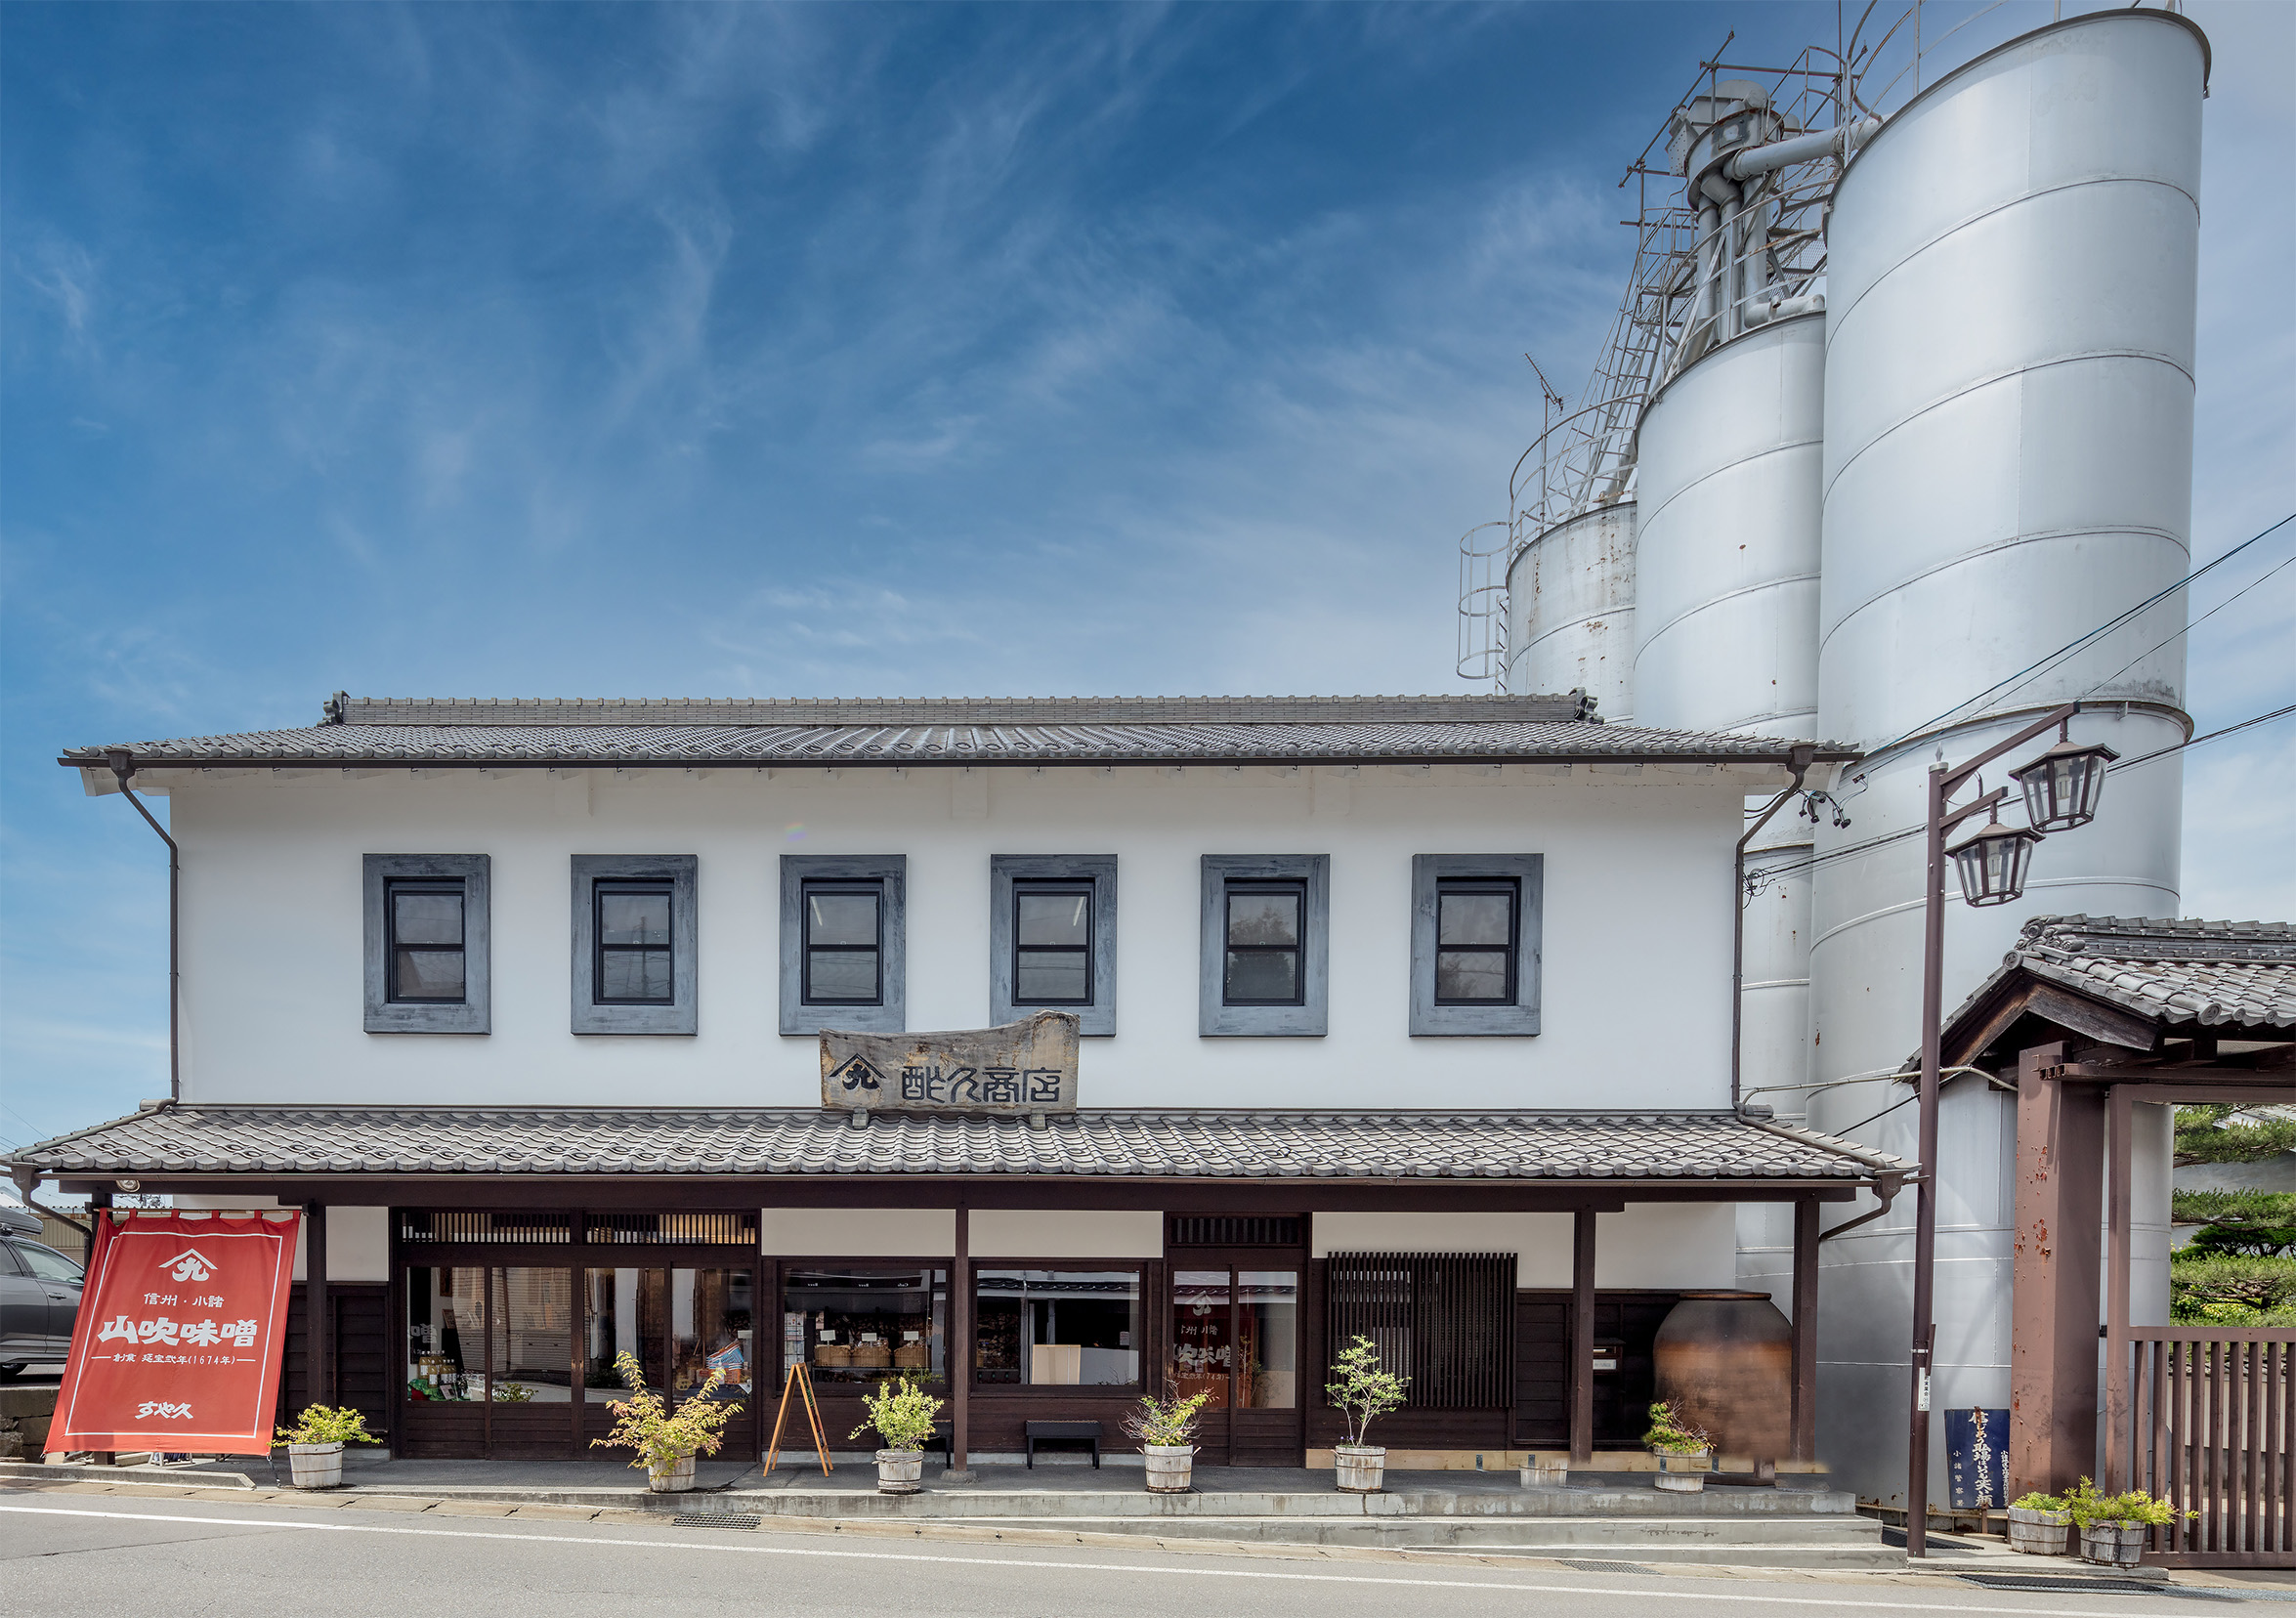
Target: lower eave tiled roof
{"points": [[806, 1143], [2221, 976]]}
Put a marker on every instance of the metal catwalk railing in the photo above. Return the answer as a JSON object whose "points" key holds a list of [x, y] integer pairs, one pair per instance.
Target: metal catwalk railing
{"points": [[2207, 1427]]}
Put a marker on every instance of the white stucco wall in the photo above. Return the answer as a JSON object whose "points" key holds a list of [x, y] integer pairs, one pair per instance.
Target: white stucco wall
{"points": [[859, 1233], [1661, 1245], [1636, 927]]}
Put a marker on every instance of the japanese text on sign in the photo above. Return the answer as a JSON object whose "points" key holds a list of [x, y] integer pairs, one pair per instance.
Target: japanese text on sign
{"points": [[1022, 1067]]}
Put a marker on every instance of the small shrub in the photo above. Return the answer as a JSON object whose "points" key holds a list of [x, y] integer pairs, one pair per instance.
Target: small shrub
{"points": [[1671, 1435], [2037, 1502], [328, 1424], [2231, 1290], [2134, 1509], [1167, 1423], [661, 1436], [901, 1413]]}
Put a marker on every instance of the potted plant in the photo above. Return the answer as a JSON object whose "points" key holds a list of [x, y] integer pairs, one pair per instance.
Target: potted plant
{"points": [[315, 1444], [2039, 1525], [2114, 1527], [667, 1440], [1165, 1431], [901, 1413], [1362, 1391], [1685, 1451]]}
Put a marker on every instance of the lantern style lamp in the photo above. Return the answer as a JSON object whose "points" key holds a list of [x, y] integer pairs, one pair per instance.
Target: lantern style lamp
{"points": [[1993, 862], [2062, 785]]}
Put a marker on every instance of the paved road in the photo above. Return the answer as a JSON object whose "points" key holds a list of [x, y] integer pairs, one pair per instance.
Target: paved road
{"points": [[84, 1557]]}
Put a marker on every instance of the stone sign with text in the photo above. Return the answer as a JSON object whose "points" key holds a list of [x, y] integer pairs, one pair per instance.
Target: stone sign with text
{"points": [[1019, 1067]]}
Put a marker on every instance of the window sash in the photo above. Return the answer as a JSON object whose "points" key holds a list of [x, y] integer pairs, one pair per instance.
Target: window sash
{"points": [[1507, 955], [397, 953], [641, 957], [1051, 954], [1235, 956], [812, 953]]}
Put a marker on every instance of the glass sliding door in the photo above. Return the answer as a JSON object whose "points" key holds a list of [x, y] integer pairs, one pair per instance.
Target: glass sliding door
{"points": [[1235, 1341]]}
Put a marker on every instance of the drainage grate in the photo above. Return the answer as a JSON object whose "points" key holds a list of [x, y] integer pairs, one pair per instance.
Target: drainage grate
{"points": [[714, 1520], [2096, 1587], [1602, 1566]]}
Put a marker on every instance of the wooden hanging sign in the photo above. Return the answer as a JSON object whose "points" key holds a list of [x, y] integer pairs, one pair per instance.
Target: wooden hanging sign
{"points": [[1019, 1067]]}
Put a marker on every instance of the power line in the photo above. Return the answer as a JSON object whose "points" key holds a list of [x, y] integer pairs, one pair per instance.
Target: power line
{"points": [[2024, 675], [1889, 837], [2194, 624]]}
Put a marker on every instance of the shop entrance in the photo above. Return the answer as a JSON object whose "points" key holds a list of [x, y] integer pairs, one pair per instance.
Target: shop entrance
{"points": [[1235, 1338], [511, 1355]]}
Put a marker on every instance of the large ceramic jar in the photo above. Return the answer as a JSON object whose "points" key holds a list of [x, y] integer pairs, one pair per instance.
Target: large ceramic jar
{"points": [[1726, 1361]]}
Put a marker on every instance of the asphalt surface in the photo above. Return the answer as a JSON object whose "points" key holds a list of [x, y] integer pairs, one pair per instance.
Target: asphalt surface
{"points": [[66, 1557]]}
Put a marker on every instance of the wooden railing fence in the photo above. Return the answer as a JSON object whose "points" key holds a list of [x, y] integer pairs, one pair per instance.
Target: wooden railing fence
{"points": [[2208, 1426]]}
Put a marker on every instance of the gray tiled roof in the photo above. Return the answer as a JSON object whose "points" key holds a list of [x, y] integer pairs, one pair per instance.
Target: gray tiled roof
{"points": [[1165, 1143], [1074, 730], [2218, 974]]}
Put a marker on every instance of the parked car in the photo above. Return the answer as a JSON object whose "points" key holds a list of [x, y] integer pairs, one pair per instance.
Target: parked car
{"points": [[39, 1296]]}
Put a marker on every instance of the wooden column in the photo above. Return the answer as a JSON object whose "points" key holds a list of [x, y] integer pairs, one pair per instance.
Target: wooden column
{"points": [[2120, 1122], [1803, 1436], [314, 1305], [959, 1354], [2053, 1303], [1582, 1338]]}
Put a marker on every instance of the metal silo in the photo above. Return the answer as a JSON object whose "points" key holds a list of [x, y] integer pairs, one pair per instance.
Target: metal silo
{"points": [[2007, 466], [1725, 620], [1570, 611]]}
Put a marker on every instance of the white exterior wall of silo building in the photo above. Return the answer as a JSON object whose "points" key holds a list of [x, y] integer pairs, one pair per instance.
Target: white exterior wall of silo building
{"points": [[2007, 465], [1725, 618], [1570, 611]]}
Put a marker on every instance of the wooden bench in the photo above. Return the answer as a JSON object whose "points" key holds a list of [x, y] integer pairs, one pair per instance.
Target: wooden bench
{"points": [[1063, 1432]]}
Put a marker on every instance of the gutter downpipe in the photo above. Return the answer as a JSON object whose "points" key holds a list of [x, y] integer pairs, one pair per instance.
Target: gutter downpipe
{"points": [[1799, 760], [123, 765]]}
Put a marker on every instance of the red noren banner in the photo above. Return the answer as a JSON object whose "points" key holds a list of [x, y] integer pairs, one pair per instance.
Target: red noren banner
{"points": [[182, 1324]]}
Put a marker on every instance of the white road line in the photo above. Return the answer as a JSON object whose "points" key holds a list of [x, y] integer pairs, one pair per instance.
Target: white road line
{"points": [[1643, 1593]]}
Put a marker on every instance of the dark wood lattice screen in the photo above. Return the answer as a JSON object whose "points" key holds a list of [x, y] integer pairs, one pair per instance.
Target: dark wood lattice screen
{"points": [[1237, 1230], [1445, 1320]]}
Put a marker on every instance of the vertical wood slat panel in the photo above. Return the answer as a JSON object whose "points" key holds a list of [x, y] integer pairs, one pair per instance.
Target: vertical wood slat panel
{"points": [[1446, 1320]]}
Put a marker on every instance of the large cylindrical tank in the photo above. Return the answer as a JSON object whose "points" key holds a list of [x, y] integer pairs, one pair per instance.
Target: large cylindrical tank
{"points": [[1727, 550], [2008, 467], [1570, 611]]}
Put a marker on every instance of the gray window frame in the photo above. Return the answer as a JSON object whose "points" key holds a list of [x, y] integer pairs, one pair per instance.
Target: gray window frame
{"points": [[891, 872], [682, 873], [1097, 1020], [1517, 1020], [1214, 1017], [474, 1013]]}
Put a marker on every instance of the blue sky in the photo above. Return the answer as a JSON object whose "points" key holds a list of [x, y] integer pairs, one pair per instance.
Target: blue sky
{"points": [[457, 350]]}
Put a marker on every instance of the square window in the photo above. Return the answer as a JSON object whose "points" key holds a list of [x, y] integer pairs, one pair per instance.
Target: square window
{"points": [[426, 943], [634, 950], [1475, 943], [843, 961], [635, 931], [1265, 925], [1052, 938], [844, 944], [1266, 944]]}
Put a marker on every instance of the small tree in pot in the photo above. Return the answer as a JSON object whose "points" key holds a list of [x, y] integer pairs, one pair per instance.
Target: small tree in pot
{"points": [[667, 1440], [1685, 1450], [315, 1444], [903, 1414], [1362, 1391], [1166, 1430]]}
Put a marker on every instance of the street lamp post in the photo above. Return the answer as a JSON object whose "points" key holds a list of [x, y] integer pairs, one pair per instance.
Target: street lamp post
{"points": [[2061, 790]]}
